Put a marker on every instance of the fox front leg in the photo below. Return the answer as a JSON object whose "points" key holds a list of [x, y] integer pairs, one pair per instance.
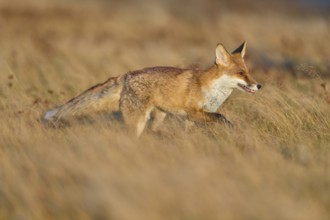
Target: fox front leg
{"points": [[221, 118], [201, 116]]}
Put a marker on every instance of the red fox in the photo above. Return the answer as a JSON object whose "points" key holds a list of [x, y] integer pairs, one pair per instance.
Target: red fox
{"points": [[195, 94]]}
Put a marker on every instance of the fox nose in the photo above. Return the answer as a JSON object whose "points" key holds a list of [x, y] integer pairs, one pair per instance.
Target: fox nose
{"points": [[258, 86]]}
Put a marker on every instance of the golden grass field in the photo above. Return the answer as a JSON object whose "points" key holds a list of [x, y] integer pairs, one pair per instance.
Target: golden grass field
{"points": [[275, 164]]}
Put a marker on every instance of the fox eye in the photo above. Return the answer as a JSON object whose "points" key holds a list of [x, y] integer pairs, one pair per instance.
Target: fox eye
{"points": [[241, 73]]}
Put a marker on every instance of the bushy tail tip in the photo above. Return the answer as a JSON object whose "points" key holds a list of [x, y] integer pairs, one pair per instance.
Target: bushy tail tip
{"points": [[50, 115]]}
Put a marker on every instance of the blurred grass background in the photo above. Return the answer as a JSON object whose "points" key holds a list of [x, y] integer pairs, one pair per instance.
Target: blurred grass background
{"points": [[274, 165]]}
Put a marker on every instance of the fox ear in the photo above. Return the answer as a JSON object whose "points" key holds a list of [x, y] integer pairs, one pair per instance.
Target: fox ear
{"points": [[222, 56], [241, 49]]}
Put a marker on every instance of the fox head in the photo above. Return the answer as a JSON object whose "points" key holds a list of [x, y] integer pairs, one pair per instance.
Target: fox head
{"points": [[233, 67]]}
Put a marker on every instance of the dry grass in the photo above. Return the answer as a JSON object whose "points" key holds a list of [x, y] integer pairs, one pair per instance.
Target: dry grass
{"points": [[274, 165]]}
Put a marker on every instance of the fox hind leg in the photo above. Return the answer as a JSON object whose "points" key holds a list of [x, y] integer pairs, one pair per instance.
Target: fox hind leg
{"points": [[142, 121], [136, 122], [158, 118], [188, 125], [136, 119]]}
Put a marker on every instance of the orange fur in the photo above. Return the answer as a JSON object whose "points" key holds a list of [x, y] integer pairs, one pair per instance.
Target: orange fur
{"points": [[196, 94]]}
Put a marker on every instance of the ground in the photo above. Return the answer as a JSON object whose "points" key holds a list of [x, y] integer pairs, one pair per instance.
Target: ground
{"points": [[273, 165]]}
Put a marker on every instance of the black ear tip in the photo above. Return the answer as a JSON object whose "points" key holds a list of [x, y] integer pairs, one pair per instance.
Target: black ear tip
{"points": [[240, 48]]}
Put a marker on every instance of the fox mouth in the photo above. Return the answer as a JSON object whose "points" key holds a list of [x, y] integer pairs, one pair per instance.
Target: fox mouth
{"points": [[246, 89]]}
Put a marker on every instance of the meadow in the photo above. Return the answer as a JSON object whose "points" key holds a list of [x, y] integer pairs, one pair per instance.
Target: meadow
{"points": [[275, 163]]}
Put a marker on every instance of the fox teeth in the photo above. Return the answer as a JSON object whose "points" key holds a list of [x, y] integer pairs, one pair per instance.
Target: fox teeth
{"points": [[246, 88]]}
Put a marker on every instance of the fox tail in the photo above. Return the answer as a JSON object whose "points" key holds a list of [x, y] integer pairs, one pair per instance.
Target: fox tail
{"points": [[103, 96]]}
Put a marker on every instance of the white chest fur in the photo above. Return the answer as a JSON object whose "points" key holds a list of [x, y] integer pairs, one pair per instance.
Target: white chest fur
{"points": [[216, 94]]}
